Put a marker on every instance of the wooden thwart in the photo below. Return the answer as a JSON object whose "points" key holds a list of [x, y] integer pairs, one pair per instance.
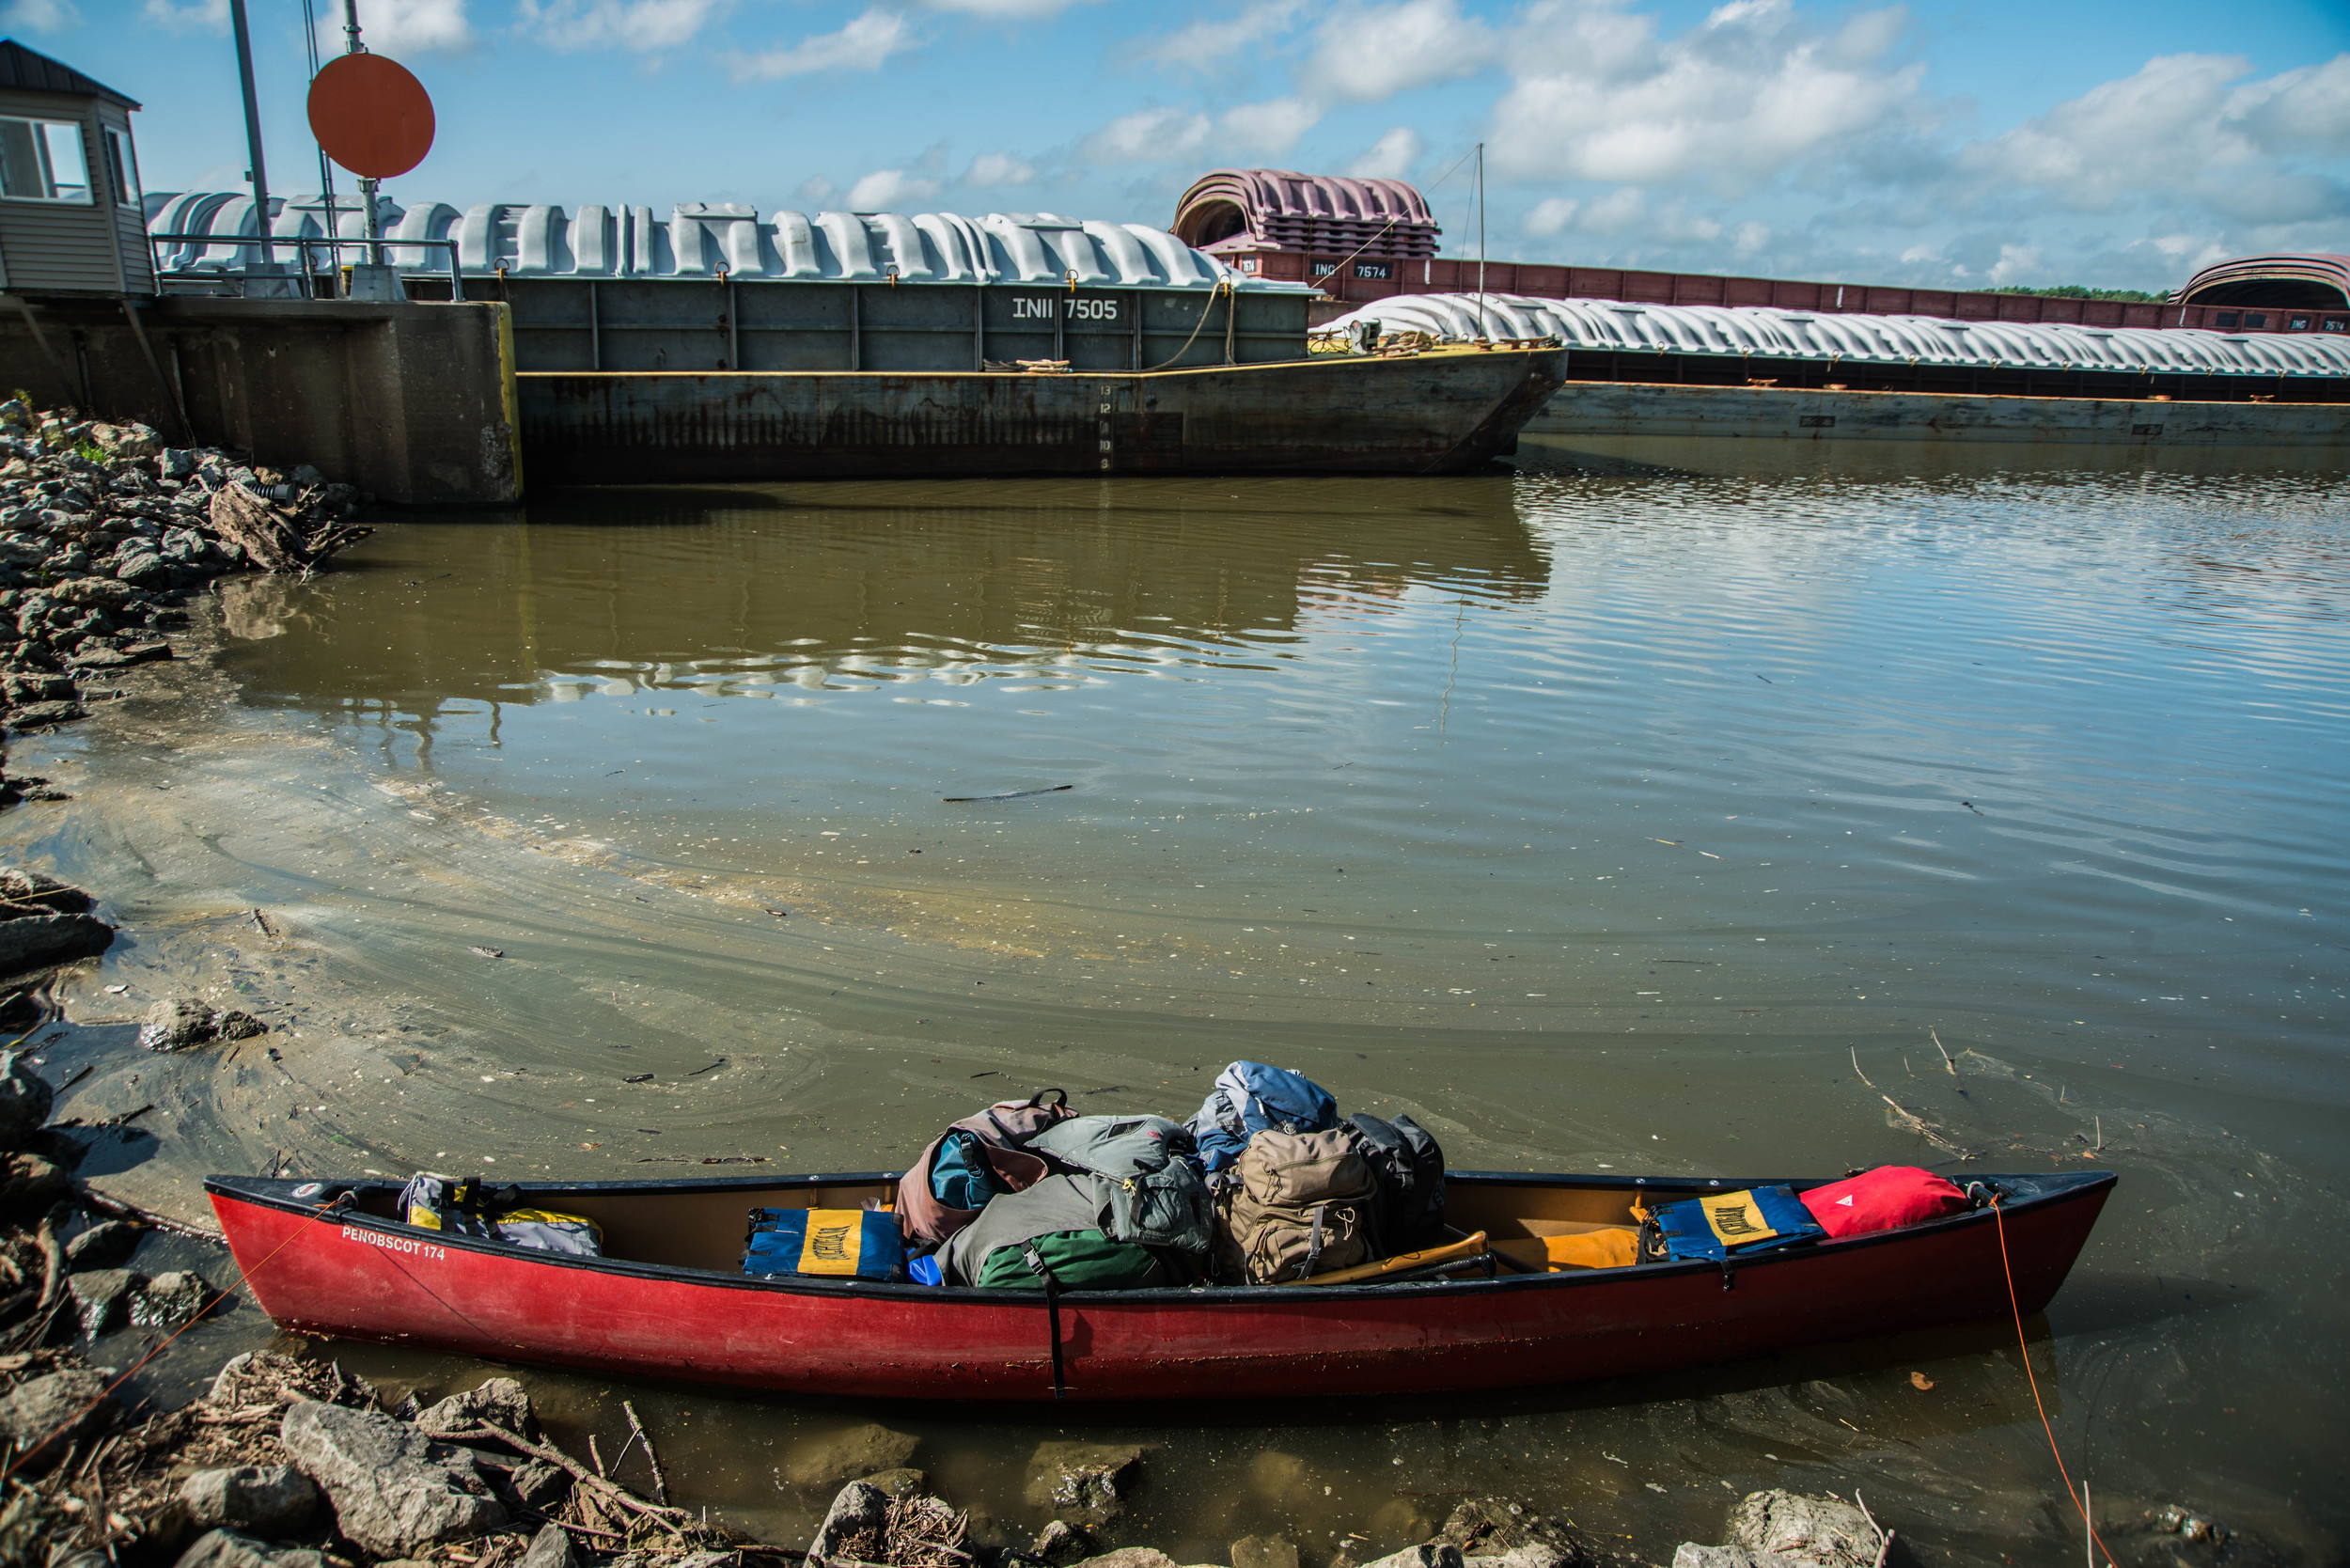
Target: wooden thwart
{"points": [[1471, 1247]]}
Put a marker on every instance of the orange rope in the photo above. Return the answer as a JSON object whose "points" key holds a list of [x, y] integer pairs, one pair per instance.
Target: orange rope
{"points": [[106, 1394], [2024, 1349]]}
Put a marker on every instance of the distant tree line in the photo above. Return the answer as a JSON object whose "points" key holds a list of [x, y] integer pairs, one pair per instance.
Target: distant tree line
{"points": [[2076, 292]]}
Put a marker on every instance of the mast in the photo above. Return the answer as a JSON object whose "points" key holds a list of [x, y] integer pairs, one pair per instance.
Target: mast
{"points": [[257, 174], [373, 231], [1480, 239]]}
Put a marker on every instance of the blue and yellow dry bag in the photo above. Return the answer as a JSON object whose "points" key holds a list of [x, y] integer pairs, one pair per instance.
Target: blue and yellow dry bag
{"points": [[1720, 1224], [849, 1243]]}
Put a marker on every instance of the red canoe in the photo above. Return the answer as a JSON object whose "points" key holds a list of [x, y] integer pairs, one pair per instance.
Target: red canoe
{"points": [[670, 1300]]}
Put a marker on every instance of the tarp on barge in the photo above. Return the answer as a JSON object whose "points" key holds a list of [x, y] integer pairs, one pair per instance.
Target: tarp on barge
{"points": [[1750, 331]]}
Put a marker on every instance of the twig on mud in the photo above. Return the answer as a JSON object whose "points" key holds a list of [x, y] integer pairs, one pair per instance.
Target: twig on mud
{"points": [[660, 1484], [1944, 1050], [666, 1517], [1923, 1128], [1855, 1066], [595, 1456], [115, 1208]]}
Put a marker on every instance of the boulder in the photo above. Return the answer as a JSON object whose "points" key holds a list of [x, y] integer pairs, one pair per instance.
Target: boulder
{"points": [[223, 1549], [500, 1402], [43, 1416], [102, 1298], [852, 1529], [43, 715], [1263, 1551], [170, 1300], [177, 1022], [538, 1486], [899, 1485], [37, 941], [268, 1500], [1131, 1557], [1499, 1533], [1060, 1545], [1691, 1555], [1084, 1482], [25, 1098], [550, 1548], [28, 1185], [393, 1492], [1826, 1531], [847, 1456], [106, 1245], [16, 885]]}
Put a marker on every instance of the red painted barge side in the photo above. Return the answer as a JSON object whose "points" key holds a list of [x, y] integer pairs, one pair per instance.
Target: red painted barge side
{"points": [[352, 1275]]}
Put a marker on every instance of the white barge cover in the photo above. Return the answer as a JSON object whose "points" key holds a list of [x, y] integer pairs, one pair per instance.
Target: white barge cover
{"points": [[706, 240], [1766, 332]]}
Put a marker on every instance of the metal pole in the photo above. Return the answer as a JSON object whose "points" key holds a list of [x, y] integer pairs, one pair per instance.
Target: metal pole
{"points": [[326, 168], [252, 127], [373, 226], [1480, 239]]}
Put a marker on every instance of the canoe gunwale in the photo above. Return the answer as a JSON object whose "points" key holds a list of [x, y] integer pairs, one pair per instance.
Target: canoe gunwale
{"points": [[275, 1194]]}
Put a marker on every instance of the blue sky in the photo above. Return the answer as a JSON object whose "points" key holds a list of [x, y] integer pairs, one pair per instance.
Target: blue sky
{"points": [[1972, 143]]}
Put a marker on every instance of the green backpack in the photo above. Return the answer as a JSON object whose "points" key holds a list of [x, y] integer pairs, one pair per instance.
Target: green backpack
{"points": [[1076, 1259]]}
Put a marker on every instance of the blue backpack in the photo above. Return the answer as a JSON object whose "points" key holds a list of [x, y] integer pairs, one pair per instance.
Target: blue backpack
{"points": [[961, 1178], [1250, 1098]]}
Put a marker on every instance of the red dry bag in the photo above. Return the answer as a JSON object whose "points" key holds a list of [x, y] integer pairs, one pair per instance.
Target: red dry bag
{"points": [[1882, 1198]]}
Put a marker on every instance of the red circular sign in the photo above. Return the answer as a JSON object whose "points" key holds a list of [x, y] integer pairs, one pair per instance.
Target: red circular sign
{"points": [[370, 115]]}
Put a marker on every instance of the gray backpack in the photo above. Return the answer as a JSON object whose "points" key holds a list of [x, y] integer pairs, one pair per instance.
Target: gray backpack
{"points": [[1156, 1197], [1303, 1204]]}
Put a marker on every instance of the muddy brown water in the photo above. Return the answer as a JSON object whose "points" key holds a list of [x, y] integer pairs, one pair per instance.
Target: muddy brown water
{"points": [[1616, 820]]}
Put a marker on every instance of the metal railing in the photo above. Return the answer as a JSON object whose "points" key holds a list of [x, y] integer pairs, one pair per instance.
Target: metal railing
{"points": [[268, 243]]}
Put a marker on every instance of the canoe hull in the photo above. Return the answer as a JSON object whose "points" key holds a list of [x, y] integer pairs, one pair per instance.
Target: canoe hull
{"points": [[1428, 414], [355, 1277]]}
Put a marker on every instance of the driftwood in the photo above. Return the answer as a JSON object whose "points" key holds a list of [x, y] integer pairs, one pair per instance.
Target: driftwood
{"points": [[276, 537]]}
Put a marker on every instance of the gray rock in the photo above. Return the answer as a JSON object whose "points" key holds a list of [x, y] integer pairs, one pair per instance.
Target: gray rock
{"points": [[1425, 1556], [847, 1456], [25, 1098], [1084, 1482], [500, 1402], [102, 1298], [1691, 1555], [106, 1245], [538, 1486], [37, 941], [28, 1185], [16, 885], [393, 1490], [176, 462], [1131, 1557], [1061, 1544], [550, 1548], [45, 1415], [900, 1483], [852, 1527], [223, 1549], [142, 568], [268, 1500], [176, 1022], [170, 1300], [1826, 1532], [1263, 1551]]}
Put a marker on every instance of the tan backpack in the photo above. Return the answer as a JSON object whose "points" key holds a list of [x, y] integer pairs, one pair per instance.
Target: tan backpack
{"points": [[1299, 1204]]}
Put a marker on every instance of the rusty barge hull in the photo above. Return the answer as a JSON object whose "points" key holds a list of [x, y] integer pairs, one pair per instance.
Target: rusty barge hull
{"points": [[1438, 413]]}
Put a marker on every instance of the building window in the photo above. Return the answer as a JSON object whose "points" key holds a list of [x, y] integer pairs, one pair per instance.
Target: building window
{"points": [[2255, 319], [2227, 320], [1323, 268], [2335, 323], [122, 168], [40, 160], [1372, 269], [2296, 323], [1249, 263]]}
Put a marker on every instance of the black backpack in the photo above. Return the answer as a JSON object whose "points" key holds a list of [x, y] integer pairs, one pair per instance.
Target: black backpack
{"points": [[1410, 1171]]}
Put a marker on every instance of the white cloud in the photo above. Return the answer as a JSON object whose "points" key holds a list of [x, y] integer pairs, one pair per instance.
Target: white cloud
{"points": [[1003, 10], [889, 190], [1269, 128], [644, 25], [1391, 157], [2185, 124], [399, 28], [198, 16], [1551, 214], [1749, 93], [1367, 53], [815, 191], [1147, 135], [41, 16], [862, 45], [991, 169], [1217, 46]]}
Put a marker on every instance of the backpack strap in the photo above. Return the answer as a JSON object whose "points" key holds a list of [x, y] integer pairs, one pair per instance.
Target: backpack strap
{"points": [[1313, 1243], [1043, 1270]]}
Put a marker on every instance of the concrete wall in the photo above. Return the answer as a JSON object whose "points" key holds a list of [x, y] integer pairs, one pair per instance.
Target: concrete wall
{"points": [[1629, 409], [413, 403]]}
